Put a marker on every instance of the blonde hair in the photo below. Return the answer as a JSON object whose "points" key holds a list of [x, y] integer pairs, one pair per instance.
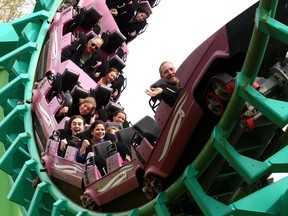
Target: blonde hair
{"points": [[88, 100]]}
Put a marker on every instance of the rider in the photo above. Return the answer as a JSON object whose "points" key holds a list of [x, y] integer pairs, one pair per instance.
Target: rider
{"points": [[169, 89]]}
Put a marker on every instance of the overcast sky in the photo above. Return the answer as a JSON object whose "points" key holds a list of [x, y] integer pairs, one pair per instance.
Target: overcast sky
{"points": [[175, 29]]}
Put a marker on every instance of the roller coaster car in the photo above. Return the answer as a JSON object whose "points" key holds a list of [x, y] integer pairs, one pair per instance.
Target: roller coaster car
{"points": [[47, 100], [122, 176], [66, 168], [207, 80], [163, 147]]}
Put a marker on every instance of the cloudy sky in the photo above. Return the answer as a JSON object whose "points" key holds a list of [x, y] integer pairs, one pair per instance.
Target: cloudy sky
{"points": [[174, 31]]}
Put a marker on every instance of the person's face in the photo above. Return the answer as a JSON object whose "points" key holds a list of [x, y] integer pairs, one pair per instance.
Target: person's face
{"points": [[168, 73], [111, 76], [98, 132], [93, 45], [77, 126], [85, 108], [140, 16], [120, 117]]}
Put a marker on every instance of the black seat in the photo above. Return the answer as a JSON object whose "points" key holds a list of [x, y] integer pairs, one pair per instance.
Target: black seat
{"points": [[102, 95], [120, 52], [112, 107], [119, 84], [96, 29], [104, 149], [91, 19], [69, 79], [125, 135], [56, 85], [78, 92], [148, 128], [117, 62], [157, 83], [94, 32], [115, 40]]}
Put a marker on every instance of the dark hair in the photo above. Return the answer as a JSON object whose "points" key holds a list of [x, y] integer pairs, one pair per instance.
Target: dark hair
{"points": [[143, 9], [72, 118], [112, 69], [94, 124], [120, 111]]}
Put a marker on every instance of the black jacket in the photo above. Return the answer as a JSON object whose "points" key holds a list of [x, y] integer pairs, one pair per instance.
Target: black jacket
{"points": [[74, 52]]}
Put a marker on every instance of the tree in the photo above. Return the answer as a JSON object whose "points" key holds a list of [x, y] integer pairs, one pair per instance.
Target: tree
{"points": [[11, 10]]}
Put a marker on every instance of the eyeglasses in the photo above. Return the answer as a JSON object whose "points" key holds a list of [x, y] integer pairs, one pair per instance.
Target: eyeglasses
{"points": [[94, 45]]}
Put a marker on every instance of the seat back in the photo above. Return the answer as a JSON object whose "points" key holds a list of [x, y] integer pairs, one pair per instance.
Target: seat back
{"points": [[117, 62], [75, 22], [119, 84], [148, 128], [91, 19], [120, 52], [69, 79], [56, 86], [112, 107], [104, 149], [115, 40], [125, 135], [102, 95], [77, 93]]}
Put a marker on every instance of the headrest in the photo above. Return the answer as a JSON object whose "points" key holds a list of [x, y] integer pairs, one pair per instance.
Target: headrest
{"points": [[125, 135], [148, 128], [104, 149]]}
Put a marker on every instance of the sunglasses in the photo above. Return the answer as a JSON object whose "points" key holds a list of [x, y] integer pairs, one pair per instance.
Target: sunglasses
{"points": [[94, 45]]}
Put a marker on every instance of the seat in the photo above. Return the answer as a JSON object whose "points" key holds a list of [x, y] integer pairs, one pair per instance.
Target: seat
{"points": [[75, 22], [121, 53], [91, 19], [148, 128], [115, 40], [56, 86], [104, 149], [120, 84], [125, 135], [117, 62], [78, 92], [102, 95], [69, 79], [112, 107], [96, 29]]}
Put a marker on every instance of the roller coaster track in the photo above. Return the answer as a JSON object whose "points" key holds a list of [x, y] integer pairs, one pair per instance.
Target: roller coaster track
{"points": [[21, 43]]}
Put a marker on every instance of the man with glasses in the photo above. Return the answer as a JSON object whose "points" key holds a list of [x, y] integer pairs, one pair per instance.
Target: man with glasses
{"points": [[84, 53], [170, 86]]}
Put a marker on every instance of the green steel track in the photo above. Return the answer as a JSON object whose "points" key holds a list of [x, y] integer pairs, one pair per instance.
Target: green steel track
{"points": [[21, 43]]}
